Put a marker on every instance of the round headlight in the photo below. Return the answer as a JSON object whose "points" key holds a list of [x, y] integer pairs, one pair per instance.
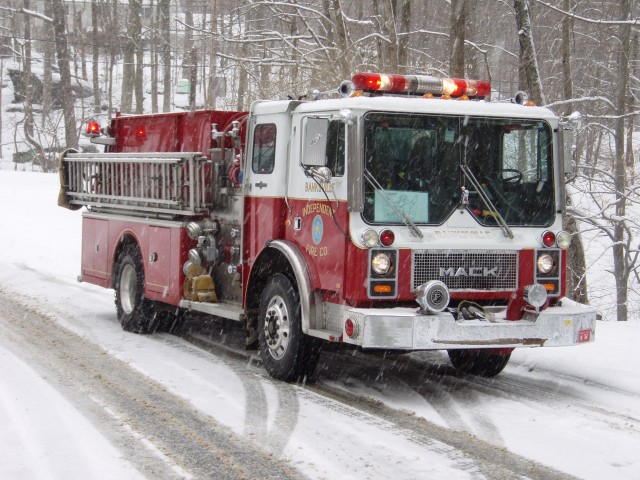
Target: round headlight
{"points": [[370, 238], [545, 263], [563, 239], [535, 295], [381, 263]]}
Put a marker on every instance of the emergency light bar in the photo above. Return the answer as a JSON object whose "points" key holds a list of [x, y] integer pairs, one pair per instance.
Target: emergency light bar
{"points": [[420, 85]]}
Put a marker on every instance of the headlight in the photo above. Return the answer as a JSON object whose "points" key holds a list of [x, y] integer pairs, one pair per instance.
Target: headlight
{"points": [[535, 295], [545, 263], [563, 239], [381, 263]]}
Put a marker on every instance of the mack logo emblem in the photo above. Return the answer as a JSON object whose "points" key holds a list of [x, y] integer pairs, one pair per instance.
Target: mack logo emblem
{"points": [[469, 272]]}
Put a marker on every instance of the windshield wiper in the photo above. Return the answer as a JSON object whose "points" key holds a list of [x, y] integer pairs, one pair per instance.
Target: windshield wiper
{"points": [[486, 200], [397, 209]]}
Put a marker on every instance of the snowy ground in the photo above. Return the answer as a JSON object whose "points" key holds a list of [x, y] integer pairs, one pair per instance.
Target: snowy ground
{"points": [[576, 410]]}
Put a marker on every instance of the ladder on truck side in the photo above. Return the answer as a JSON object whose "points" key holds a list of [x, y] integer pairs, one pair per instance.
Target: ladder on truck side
{"points": [[173, 183]]}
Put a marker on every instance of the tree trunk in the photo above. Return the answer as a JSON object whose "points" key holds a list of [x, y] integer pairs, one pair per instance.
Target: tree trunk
{"points": [[403, 16], [213, 58], [341, 39], [165, 24], [576, 265], [27, 84], [456, 38], [97, 100], [187, 58], [128, 67], [60, 28], [135, 18], [154, 59], [47, 66], [528, 58], [567, 81], [620, 261]]}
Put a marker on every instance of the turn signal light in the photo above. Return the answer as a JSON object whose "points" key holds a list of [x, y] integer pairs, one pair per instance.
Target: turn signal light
{"points": [[382, 288]]}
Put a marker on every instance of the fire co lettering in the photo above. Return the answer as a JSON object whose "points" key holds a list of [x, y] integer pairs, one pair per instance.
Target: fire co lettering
{"points": [[316, 251]]}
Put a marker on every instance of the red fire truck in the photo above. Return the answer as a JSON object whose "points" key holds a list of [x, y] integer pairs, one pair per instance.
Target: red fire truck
{"points": [[406, 213]]}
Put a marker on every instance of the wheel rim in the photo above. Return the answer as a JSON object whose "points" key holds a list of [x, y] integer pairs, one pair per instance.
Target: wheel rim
{"points": [[128, 288], [276, 327]]}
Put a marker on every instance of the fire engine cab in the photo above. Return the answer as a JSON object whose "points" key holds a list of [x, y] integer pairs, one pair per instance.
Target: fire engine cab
{"points": [[403, 212]]}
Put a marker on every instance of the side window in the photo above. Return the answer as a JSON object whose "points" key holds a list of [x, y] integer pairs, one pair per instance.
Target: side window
{"points": [[264, 148], [335, 147]]}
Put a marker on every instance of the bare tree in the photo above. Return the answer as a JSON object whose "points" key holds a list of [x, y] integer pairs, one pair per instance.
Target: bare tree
{"points": [[457, 38], [130, 72], [164, 14], [528, 59], [60, 28], [96, 56], [620, 259]]}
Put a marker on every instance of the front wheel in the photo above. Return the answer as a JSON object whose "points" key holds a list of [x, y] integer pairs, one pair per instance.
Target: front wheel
{"points": [[286, 352], [135, 312], [478, 362]]}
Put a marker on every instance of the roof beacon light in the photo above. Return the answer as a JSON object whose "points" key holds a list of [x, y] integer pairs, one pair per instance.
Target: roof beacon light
{"points": [[93, 129], [420, 85]]}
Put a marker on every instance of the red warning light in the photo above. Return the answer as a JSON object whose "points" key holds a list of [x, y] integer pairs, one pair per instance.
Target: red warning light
{"points": [[93, 129]]}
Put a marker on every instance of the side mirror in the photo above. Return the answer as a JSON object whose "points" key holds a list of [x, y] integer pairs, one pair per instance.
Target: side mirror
{"points": [[567, 127], [321, 174], [315, 142]]}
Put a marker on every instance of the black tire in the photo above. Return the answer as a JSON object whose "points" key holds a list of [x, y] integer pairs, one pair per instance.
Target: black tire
{"points": [[135, 313], [478, 362], [286, 352]]}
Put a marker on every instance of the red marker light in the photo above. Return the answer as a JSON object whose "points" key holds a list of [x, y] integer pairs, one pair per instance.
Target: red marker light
{"points": [[548, 238], [387, 238], [140, 132], [349, 327]]}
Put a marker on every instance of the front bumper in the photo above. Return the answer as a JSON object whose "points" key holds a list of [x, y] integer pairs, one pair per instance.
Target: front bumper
{"points": [[406, 329]]}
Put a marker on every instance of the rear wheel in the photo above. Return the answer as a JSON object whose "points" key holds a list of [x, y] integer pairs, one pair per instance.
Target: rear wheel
{"points": [[135, 313], [286, 352], [478, 362]]}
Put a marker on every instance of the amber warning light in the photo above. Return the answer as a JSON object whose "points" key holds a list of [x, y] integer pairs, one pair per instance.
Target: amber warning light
{"points": [[420, 85]]}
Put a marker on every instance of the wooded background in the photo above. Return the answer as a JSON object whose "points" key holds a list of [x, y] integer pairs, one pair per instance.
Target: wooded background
{"points": [[144, 56]]}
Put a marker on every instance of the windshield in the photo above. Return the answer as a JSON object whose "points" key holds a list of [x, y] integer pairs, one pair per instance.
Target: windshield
{"points": [[417, 160]]}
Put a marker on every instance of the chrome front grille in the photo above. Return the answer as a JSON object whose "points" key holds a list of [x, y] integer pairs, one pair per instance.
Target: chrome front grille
{"points": [[481, 270]]}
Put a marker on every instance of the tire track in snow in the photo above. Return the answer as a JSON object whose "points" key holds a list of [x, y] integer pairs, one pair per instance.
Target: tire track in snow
{"points": [[196, 445], [493, 462]]}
